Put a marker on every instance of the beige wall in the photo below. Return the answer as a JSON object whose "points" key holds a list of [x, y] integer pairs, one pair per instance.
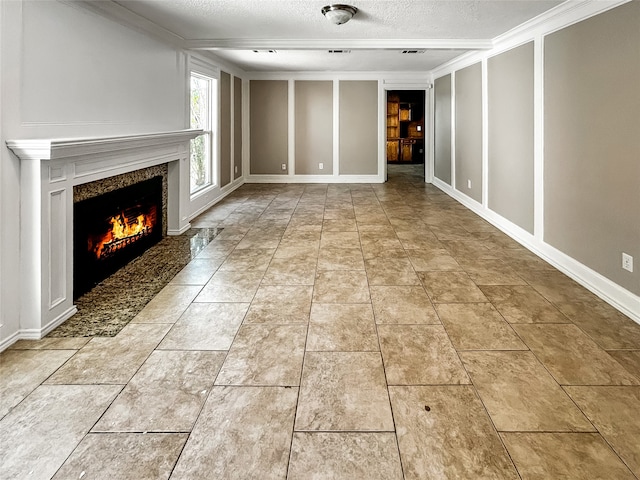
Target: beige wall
{"points": [[225, 129], [510, 172], [592, 142], [358, 127], [314, 127], [468, 156], [237, 126], [442, 161], [268, 126]]}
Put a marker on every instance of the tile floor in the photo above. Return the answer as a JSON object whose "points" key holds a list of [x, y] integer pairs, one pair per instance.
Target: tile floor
{"points": [[340, 331]]}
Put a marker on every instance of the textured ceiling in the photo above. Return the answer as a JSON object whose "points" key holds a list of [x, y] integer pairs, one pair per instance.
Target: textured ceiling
{"points": [[235, 24]]}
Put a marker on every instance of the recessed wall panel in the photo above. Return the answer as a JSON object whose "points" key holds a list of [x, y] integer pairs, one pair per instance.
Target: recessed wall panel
{"points": [[442, 167], [592, 142], [314, 127], [237, 127], [225, 129], [269, 129], [468, 156], [358, 127], [510, 89]]}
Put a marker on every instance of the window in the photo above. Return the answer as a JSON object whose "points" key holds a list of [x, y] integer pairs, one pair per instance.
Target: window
{"points": [[202, 97]]}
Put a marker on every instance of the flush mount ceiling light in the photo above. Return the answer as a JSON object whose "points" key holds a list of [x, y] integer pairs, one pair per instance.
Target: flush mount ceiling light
{"points": [[338, 13]]}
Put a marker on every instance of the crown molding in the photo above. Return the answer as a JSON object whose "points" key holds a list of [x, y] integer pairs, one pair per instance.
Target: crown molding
{"points": [[333, 43], [119, 14]]}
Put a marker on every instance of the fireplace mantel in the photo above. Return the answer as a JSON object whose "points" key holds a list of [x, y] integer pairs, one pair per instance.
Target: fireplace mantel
{"points": [[50, 168]]}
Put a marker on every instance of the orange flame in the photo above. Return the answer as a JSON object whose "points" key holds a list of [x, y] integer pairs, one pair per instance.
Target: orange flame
{"points": [[121, 228]]}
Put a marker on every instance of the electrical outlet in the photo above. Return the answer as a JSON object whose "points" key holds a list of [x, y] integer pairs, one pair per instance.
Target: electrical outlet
{"points": [[627, 262], [236, 169], [284, 166], [321, 166], [468, 183]]}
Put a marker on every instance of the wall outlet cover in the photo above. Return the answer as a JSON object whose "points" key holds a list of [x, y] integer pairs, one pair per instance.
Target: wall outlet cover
{"points": [[468, 183], [627, 262], [284, 166], [321, 166]]}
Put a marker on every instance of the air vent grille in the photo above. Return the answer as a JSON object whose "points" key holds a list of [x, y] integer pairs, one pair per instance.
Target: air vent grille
{"points": [[265, 51], [339, 51], [412, 52]]}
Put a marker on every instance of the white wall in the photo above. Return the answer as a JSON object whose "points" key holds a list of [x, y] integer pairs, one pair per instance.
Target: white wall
{"points": [[66, 72]]}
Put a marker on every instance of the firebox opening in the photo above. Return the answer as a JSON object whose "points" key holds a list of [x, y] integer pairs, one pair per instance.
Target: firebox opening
{"points": [[112, 229]]}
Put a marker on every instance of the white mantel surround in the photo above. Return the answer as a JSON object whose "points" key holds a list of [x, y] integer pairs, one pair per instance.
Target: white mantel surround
{"points": [[49, 171]]}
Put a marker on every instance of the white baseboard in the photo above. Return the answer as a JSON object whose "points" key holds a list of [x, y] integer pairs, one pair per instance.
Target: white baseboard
{"points": [[609, 291], [173, 233], [315, 179], [224, 192], [37, 333]]}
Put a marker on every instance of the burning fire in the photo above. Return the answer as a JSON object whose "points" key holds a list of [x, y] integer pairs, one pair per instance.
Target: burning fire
{"points": [[124, 231]]}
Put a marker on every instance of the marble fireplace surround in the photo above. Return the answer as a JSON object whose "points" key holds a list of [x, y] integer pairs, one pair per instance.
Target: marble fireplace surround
{"points": [[50, 169]]}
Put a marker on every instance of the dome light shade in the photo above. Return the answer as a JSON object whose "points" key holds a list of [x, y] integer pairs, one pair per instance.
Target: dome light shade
{"points": [[339, 14]]}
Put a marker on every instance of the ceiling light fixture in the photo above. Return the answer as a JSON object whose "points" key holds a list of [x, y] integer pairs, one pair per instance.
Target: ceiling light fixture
{"points": [[338, 13]]}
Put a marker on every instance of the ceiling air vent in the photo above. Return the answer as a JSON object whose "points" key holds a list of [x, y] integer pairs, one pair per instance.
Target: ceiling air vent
{"points": [[339, 51], [265, 51], [412, 51]]}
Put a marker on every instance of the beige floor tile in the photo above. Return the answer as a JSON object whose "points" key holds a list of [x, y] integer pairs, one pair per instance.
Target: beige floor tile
{"points": [[419, 355], [438, 259], [168, 305], [379, 247], [557, 287], [218, 249], [205, 326], [478, 326], [340, 259], [343, 391], [297, 253], [572, 357], [579, 456], [489, 271], [402, 305], [165, 395], [520, 395], [444, 432], [339, 225], [38, 435], [604, 324], [124, 455], [418, 239], [342, 328], [197, 272], [280, 304], [21, 371], [522, 304], [390, 271], [344, 455], [51, 343], [265, 355], [111, 360], [341, 287], [248, 259], [231, 286], [451, 287], [340, 240], [614, 412], [257, 241], [242, 432], [282, 271], [629, 359]]}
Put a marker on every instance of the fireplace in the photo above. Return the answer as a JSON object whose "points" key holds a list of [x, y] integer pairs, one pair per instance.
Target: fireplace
{"points": [[50, 172], [111, 229]]}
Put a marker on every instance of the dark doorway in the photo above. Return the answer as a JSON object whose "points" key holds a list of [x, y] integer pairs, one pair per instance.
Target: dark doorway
{"points": [[405, 127]]}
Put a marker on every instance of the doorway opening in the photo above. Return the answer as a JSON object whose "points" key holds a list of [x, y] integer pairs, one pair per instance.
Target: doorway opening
{"points": [[405, 127]]}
